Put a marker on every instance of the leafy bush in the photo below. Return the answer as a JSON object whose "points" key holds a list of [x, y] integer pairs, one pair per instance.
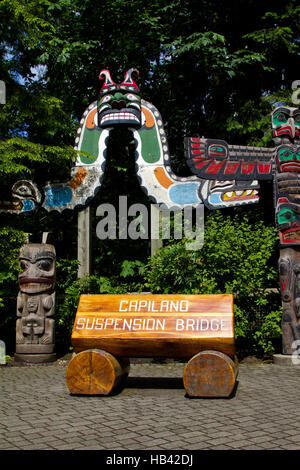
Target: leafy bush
{"points": [[238, 257], [69, 290]]}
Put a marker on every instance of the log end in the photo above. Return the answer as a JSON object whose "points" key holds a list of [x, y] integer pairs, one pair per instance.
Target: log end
{"points": [[95, 372], [210, 374]]}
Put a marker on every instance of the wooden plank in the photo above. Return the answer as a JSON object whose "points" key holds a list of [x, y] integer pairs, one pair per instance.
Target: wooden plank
{"points": [[151, 325]]}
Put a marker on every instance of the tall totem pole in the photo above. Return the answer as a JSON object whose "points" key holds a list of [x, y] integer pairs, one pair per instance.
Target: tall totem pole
{"points": [[215, 159], [286, 135]]}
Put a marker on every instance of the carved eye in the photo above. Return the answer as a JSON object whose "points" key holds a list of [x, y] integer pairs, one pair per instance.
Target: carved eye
{"points": [[132, 97], [45, 265], [106, 99], [297, 118], [23, 265], [283, 269], [281, 117], [24, 191]]}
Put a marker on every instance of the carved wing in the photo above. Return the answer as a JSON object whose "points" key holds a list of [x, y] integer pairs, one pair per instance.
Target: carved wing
{"points": [[214, 159]]}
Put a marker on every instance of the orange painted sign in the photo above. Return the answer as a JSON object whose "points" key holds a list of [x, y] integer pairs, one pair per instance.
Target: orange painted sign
{"points": [[166, 325]]}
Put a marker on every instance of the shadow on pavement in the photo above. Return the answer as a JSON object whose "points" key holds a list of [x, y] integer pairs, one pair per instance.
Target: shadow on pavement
{"points": [[154, 382]]}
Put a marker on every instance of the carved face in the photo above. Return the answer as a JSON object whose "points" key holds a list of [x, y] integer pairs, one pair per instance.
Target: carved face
{"points": [[289, 274], [288, 158], [119, 104], [288, 221], [285, 124], [25, 198], [37, 262]]}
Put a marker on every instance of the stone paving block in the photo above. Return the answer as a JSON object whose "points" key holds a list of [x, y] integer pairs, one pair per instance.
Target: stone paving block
{"points": [[268, 445], [195, 439], [291, 447], [295, 438], [288, 432], [220, 447], [260, 439], [221, 440], [280, 443], [257, 433]]}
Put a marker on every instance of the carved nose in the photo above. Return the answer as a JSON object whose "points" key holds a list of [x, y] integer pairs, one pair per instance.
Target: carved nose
{"points": [[292, 125], [118, 101], [118, 104], [287, 296]]}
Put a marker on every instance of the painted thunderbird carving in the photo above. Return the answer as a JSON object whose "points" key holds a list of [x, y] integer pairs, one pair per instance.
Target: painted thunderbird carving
{"points": [[120, 104]]}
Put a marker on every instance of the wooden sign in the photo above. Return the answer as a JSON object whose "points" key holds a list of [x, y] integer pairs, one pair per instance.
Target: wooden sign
{"points": [[142, 325]]}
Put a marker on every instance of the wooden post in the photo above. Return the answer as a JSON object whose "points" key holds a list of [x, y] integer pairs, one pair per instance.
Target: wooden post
{"points": [[84, 242], [210, 374], [156, 242], [95, 372]]}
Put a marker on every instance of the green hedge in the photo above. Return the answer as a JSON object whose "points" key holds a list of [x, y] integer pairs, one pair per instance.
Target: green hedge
{"points": [[239, 256]]}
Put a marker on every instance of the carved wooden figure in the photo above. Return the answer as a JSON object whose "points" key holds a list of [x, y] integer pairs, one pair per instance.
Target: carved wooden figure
{"points": [[35, 331]]}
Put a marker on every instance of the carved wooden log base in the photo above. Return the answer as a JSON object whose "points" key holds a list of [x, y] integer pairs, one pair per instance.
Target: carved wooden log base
{"points": [[210, 374], [35, 358], [95, 372]]}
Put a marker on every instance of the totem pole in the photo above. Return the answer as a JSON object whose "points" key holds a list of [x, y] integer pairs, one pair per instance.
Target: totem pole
{"points": [[36, 304], [211, 159], [286, 135]]}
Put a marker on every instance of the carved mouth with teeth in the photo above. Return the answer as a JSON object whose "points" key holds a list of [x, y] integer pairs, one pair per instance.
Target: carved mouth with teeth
{"points": [[10, 206], [240, 195], [124, 116], [231, 191], [291, 235], [31, 286], [290, 166]]}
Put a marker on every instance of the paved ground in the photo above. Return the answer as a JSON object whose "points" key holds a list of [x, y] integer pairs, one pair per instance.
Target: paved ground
{"points": [[151, 412]]}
